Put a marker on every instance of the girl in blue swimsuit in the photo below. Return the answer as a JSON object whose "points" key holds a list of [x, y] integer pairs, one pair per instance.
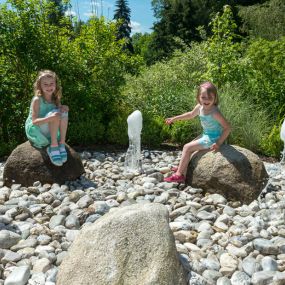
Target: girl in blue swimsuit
{"points": [[215, 128]]}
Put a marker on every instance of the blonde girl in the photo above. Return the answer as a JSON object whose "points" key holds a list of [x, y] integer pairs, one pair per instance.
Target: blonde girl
{"points": [[215, 128], [47, 122]]}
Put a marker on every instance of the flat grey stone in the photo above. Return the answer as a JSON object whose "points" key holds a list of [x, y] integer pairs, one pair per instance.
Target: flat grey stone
{"points": [[19, 276]]}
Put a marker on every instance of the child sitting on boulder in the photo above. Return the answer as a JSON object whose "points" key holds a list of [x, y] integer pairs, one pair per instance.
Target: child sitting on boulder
{"points": [[215, 128], [47, 122]]}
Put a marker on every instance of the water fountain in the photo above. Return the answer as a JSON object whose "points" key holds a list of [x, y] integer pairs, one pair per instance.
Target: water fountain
{"points": [[133, 163]]}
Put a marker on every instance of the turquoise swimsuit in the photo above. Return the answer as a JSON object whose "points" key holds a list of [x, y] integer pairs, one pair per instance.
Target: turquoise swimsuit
{"points": [[212, 129], [39, 135]]}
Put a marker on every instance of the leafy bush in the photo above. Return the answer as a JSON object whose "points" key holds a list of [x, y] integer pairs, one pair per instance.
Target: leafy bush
{"points": [[264, 82], [154, 130], [272, 144], [117, 131]]}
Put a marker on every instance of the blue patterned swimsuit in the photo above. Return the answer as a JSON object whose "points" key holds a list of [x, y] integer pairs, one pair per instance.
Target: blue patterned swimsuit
{"points": [[212, 129]]}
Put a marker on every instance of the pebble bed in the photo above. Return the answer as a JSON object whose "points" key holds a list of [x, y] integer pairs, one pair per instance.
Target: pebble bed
{"points": [[219, 241]]}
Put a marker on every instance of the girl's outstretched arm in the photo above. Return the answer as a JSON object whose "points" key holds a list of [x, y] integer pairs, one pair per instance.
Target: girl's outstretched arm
{"points": [[226, 130], [186, 116]]}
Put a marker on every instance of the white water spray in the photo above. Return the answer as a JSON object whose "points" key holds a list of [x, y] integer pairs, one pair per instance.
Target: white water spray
{"points": [[133, 155]]}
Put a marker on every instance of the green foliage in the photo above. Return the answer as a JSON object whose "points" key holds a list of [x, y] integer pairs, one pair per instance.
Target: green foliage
{"points": [[186, 20], [59, 7], [184, 131], [265, 20], [272, 144], [117, 131], [167, 88], [264, 62], [222, 51], [141, 43], [154, 130]]}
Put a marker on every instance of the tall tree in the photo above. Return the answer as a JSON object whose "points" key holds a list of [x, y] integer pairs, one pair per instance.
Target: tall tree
{"points": [[265, 20], [141, 46], [183, 19], [187, 20], [58, 11], [123, 16]]}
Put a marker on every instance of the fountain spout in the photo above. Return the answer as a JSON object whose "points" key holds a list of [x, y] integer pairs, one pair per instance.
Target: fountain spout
{"points": [[133, 156]]}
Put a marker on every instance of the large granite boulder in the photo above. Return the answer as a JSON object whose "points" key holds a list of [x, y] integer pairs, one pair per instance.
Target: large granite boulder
{"points": [[28, 164], [234, 172], [131, 245]]}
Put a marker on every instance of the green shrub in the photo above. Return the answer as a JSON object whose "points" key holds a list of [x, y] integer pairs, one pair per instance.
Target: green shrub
{"points": [[264, 62], [88, 130], [154, 131], [185, 131], [272, 145], [117, 131]]}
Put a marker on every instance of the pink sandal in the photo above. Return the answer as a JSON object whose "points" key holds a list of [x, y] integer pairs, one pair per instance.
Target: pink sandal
{"points": [[175, 178]]}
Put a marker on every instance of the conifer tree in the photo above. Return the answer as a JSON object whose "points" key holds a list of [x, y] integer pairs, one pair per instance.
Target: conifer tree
{"points": [[123, 15], [59, 9]]}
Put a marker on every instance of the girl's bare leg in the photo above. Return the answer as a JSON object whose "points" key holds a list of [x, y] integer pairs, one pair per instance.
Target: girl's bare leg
{"points": [[53, 128], [188, 149], [63, 129]]}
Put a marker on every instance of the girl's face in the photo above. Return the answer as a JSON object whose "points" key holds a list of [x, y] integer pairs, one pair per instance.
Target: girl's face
{"points": [[48, 85], [206, 100]]}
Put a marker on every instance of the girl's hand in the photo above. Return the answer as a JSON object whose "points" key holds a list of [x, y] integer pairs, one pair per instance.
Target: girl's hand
{"points": [[214, 147], [52, 117], [169, 121], [64, 108]]}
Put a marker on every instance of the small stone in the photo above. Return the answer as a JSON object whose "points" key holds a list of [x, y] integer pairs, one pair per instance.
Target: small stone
{"points": [[240, 278], [8, 239], [262, 277], [41, 265], [268, 264], [19, 276]]}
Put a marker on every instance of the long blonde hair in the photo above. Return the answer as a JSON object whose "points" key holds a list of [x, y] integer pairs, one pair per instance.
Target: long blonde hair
{"points": [[48, 74]]}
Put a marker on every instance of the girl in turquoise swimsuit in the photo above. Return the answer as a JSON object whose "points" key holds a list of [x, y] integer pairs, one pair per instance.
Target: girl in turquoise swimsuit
{"points": [[47, 122], [215, 128]]}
